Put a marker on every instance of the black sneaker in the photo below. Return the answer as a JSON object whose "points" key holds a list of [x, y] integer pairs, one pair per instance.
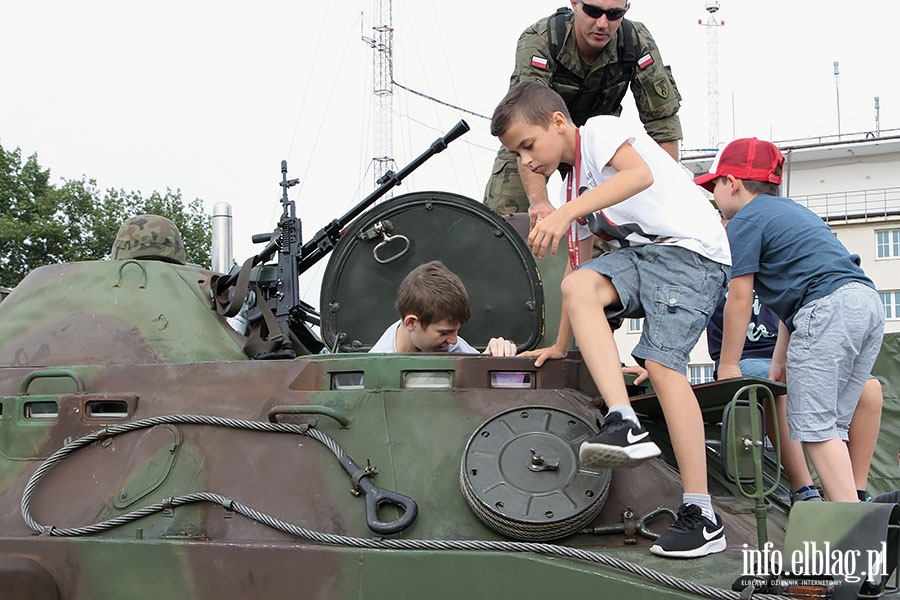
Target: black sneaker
{"points": [[620, 443], [691, 535]]}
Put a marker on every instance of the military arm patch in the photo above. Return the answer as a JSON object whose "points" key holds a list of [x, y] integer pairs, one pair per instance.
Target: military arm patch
{"points": [[539, 62], [645, 61], [661, 86]]}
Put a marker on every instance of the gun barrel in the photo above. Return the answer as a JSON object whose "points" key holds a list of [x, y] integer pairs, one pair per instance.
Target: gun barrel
{"points": [[325, 238], [439, 144], [458, 129]]}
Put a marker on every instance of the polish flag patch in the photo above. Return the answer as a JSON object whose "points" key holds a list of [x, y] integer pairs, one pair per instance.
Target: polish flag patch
{"points": [[645, 61], [540, 62]]}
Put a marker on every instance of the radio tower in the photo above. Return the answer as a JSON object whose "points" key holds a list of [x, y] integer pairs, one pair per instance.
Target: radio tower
{"points": [[382, 43], [712, 76]]}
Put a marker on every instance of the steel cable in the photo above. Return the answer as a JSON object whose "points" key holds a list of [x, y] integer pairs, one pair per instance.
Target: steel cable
{"points": [[316, 536]]}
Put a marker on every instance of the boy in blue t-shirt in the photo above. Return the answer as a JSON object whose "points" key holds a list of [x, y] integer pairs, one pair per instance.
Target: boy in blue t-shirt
{"points": [[832, 317], [756, 361]]}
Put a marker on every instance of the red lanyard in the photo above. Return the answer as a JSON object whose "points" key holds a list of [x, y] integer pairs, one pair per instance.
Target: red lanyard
{"points": [[574, 174]]}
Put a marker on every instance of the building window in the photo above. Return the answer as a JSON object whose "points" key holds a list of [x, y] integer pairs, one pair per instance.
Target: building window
{"points": [[701, 374], [888, 243], [891, 302], [635, 325]]}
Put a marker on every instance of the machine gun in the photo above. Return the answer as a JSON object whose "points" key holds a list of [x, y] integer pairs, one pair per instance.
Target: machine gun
{"points": [[286, 316]]}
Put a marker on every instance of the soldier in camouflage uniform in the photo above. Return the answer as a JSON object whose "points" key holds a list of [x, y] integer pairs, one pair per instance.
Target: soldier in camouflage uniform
{"points": [[149, 237], [590, 61]]}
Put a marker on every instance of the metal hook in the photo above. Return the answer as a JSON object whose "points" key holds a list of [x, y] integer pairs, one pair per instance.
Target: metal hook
{"points": [[629, 526], [130, 262], [377, 497]]}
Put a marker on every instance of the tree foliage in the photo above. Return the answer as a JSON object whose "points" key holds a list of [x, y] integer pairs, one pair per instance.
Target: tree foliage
{"points": [[41, 223]]}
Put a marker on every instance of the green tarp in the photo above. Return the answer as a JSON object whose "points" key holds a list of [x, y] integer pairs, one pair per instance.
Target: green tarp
{"points": [[884, 475]]}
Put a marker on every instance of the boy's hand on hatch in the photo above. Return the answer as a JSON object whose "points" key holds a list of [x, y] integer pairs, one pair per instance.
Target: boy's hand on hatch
{"points": [[500, 347], [545, 354]]}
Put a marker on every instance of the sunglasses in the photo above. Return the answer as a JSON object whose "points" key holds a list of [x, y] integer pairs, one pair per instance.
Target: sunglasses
{"points": [[595, 12]]}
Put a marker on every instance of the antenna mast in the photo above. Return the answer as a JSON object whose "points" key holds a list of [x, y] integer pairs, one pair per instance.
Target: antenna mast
{"points": [[877, 118], [712, 51], [382, 43], [837, 94]]}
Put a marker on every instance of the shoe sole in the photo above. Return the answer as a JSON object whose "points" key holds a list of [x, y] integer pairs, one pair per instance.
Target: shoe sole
{"points": [[596, 456], [711, 547]]}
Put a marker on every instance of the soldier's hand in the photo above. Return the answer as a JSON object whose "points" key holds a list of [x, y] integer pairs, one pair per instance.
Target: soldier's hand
{"points": [[537, 211], [500, 347]]}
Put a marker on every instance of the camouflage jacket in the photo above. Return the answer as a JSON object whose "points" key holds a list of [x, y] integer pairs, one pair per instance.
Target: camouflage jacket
{"points": [[600, 90]]}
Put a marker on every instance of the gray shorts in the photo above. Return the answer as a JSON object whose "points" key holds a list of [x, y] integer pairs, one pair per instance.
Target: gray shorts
{"points": [[830, 357], [674, 289]]}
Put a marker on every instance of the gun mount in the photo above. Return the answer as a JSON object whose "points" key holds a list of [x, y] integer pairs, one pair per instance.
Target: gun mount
{"points": [[284, 316]]}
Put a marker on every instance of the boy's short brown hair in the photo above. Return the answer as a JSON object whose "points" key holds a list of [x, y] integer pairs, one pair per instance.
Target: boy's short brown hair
{"points": [[762, 187], [531, 101], [433, 293], [755, 187]]}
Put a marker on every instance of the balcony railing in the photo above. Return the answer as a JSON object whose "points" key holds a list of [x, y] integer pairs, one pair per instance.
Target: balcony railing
{"points": [[853, 205], [689, 154]]}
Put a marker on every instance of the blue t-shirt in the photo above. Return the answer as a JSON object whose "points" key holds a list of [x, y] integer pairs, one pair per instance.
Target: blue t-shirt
{"points": [[793, 254]]}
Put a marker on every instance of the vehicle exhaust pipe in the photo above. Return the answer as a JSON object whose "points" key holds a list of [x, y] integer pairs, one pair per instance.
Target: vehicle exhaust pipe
{"points": [[222, 238]]}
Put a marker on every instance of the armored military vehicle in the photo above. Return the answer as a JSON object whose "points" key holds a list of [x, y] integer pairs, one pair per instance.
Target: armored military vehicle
{"points": [[172, 432]]}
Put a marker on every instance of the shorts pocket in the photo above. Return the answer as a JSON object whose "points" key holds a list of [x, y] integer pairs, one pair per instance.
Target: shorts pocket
{"points": [[677, 322], [804, 321]]}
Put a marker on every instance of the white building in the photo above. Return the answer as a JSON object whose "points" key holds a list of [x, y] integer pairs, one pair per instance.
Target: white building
{"points": [[853, 183]]}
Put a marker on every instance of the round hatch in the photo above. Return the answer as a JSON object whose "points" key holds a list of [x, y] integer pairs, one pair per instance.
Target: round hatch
{"points": [[521, 476], [388, 241]]}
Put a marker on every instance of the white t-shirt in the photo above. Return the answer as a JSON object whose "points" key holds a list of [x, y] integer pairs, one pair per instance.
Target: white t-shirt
{"points": [[671, 211], [388, 342]]}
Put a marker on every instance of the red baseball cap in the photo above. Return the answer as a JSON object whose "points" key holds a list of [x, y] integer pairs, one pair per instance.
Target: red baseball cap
{"points": [[745, 158]]}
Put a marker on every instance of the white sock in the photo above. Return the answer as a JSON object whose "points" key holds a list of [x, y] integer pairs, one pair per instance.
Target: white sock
{"points": [[703, 501], [626, 412]]}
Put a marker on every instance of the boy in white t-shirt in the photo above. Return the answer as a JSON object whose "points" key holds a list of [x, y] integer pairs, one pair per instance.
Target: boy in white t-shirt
{"points": [[671, 268]]}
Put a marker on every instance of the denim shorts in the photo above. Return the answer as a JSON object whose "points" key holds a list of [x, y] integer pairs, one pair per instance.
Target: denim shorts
{"points": [[833, 347], [755, 367], [674, 289]]}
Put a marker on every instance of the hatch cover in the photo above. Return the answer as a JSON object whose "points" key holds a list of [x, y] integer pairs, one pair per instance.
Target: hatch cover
{"points": [[521, 476]]}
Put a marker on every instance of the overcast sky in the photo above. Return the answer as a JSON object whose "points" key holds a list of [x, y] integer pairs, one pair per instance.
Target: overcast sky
{"points": [[208, 97]]}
